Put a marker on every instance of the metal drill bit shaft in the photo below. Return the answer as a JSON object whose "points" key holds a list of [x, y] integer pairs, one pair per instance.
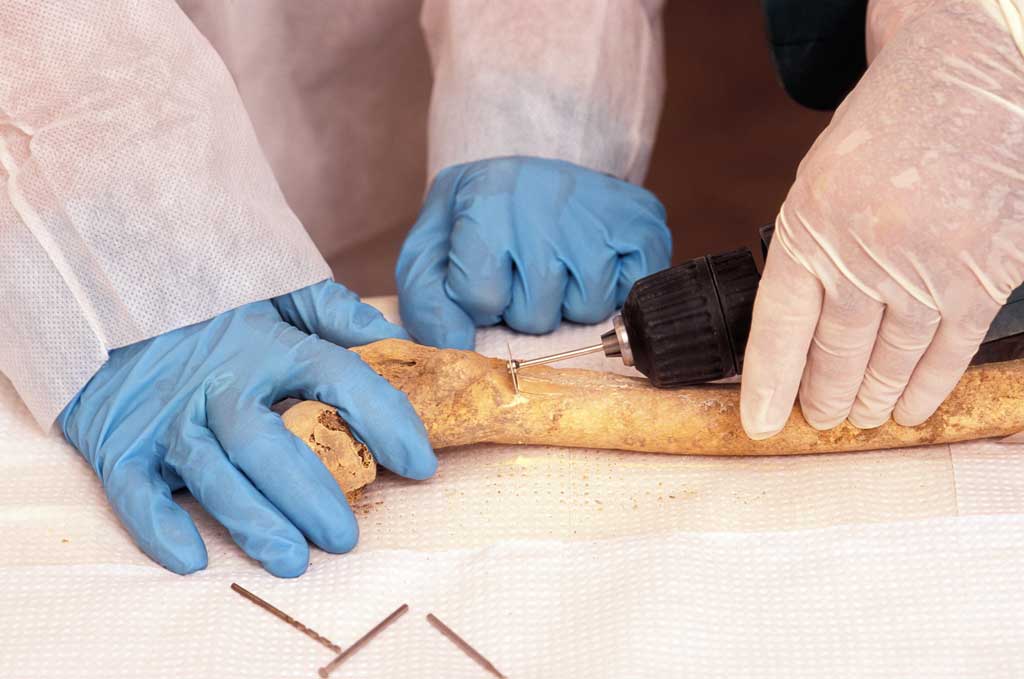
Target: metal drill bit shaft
{"points": [[265, 605], [561, 356], [463, 645], [515, 365], [363, 640], [615, 342]]}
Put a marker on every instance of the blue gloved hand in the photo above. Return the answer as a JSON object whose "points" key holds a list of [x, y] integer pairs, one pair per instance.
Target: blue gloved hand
{"points": [[528, 241], [191, 408]]}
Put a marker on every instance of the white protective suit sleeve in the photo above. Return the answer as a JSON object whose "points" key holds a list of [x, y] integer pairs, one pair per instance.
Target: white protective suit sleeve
{"points": [[134, 197], [575, 80]]}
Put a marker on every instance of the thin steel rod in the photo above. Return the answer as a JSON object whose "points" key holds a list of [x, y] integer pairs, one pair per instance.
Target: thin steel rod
{"points": [[363, 640], [463, 646], [287, 618], [563, 356]]}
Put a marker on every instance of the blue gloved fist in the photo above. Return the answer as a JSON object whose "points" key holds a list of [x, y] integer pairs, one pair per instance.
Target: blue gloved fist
{"points": [[191, 408], [526, 241]]}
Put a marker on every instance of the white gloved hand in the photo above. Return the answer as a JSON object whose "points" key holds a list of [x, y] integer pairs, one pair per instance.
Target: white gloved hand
{"points": [[903, 233]]}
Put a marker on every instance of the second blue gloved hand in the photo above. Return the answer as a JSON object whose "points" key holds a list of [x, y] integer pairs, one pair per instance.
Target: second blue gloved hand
{"points": [[191, 408], [526, 241]]}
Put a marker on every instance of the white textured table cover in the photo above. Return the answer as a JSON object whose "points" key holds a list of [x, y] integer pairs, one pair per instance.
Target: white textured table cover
{"points": [[552, 563]]}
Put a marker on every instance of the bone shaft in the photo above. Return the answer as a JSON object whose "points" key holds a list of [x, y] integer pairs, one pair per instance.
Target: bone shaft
{"points": [[466, 398]]}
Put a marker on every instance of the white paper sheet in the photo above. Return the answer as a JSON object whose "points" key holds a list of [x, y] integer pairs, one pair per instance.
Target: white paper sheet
{"points": [[552, 562]]}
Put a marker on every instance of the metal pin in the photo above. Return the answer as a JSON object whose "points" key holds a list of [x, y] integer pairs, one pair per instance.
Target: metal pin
{"points": [[287, 618], [363, 640], [463, 646], [513, 368]]}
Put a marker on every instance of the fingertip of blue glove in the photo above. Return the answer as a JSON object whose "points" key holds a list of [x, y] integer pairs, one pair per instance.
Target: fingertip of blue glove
{"points": [[399, 442], [588, 314], [421, 465], [288, 559], [341, 538], [184, 566], [160, 527], [533, 324], [370, 322], [181, 550]]}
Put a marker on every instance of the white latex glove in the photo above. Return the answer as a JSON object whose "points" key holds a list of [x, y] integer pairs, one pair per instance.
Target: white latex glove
{"points": [[903, 233]]}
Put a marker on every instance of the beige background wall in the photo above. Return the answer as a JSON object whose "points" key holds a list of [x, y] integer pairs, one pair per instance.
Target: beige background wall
{"points": [[730, 139]]}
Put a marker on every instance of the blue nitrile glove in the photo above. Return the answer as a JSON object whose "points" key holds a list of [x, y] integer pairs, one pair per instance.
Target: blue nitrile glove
{"points": [[525, 241], [191, 408]]}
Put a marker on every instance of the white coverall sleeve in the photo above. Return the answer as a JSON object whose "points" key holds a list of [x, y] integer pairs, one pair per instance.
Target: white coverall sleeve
{"points": [[575, 80], [134, 197]]}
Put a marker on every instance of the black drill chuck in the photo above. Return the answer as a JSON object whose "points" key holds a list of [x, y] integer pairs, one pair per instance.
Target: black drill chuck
{"points": [[689, 324]]}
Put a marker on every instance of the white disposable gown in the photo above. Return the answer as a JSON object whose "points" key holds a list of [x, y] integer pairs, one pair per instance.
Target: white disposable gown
{"points": [[160, 164]]}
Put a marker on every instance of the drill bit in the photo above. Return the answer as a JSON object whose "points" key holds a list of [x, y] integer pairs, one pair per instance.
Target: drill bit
{"points": [[320, 639], [515, 365], [363, 640], [463, 645], [614, 343], [513, 369]]}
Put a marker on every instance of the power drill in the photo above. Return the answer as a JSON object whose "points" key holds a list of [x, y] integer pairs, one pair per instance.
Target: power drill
{"points": [[689, 324]]}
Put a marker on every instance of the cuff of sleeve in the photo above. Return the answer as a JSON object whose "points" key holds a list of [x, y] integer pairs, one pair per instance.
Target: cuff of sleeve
{"points": [[579, 81], [54, 341]]}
